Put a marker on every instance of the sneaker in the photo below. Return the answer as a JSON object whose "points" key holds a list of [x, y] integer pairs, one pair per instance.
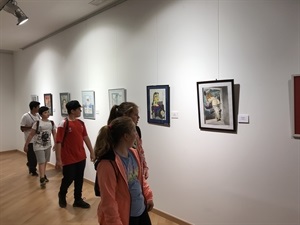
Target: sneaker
{"points": [[46, 179], [62, 201], [81, 204], [43, 183], [34, 174]]}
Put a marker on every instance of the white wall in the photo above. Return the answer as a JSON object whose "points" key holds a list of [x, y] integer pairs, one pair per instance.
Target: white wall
{"points": [[7, 107], [251, 177]]}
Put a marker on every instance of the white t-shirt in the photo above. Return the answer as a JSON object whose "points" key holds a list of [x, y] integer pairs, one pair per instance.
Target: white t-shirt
{"points": [[42, 139], [28, 120]]}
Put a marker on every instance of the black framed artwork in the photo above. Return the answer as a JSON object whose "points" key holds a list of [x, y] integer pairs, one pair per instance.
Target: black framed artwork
{"points": [[216, 105], [48, 102], [158, 104]]}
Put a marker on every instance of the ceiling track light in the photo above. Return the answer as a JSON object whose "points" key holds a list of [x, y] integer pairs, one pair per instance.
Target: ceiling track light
{"points": [[11, 6]]}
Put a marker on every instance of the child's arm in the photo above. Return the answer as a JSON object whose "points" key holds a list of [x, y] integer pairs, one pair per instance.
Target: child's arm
{"points": [[89, 145], [58, 164], [54, 138]]}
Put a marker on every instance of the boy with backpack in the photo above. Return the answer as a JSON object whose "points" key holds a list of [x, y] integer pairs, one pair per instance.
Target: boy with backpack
{"points": [[41, 132], [71, 155]]}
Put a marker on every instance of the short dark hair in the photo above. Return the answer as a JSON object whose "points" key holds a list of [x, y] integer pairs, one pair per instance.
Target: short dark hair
{"points": [[33, 104], [43, 109], [72, 105]]}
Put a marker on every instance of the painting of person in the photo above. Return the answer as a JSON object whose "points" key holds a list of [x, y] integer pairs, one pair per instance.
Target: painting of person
{"points": [[157, 107], [48, 102], [212, 104], [63, 106], [88, 106]]}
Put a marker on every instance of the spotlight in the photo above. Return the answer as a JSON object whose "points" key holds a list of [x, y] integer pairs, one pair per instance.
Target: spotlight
{"points": [[22, 18], [11, 6]]}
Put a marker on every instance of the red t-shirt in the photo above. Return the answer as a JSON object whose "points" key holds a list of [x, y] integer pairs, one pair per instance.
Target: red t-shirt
{"points": [[72, 149]]}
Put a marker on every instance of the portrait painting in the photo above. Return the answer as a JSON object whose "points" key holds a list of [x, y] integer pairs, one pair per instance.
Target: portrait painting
{"points": [[116, 96], [64, 99], [158, 104], [216, 105], [88, 104], [48, 102]]}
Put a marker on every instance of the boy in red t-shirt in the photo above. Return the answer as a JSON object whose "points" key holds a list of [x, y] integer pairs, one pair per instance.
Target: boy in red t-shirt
{"points": [[70, 154]]}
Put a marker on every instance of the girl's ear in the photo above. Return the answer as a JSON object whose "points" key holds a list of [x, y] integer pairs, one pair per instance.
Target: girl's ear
{"points": [[125, 136]]}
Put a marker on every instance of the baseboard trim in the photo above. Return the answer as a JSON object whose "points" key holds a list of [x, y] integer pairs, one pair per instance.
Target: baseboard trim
{"points": [[170, 217], [9, 151]]}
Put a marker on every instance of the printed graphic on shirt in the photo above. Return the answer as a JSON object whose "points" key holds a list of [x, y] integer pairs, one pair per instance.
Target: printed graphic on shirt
{"points": [[43, 136]]}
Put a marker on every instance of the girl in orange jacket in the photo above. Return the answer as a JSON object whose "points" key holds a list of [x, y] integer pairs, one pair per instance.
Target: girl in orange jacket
{"points": [[126, 197]]}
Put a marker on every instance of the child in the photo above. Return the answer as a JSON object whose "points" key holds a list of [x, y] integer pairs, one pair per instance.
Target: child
{"points": [[126, 196], [71, 156], [41, 131], [131, 110], [27, 121]]}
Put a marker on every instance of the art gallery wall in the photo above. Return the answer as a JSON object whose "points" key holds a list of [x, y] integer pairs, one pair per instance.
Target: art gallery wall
{"points": [[248, 177], [7, 106]]}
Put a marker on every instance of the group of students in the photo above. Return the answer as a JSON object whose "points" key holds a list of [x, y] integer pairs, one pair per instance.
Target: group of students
{"points": [[126, 197]]}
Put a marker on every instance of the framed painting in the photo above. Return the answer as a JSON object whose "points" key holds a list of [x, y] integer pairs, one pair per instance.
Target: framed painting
{"points": [[216, 105], [296, 104], [88, 104], [64, 99], [158, 104], [48, 102], [116, 96], [34, 98]]}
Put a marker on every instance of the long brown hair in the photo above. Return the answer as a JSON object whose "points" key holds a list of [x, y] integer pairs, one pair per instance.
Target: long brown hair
{"points": [[110, 135]]}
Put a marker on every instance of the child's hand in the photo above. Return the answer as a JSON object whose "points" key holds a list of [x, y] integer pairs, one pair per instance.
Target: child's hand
{"points": [[26, 148], [150, 205], [58, 165]]}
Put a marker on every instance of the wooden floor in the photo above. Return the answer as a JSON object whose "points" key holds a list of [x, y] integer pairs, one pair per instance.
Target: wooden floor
{"points": [[23, 202]]}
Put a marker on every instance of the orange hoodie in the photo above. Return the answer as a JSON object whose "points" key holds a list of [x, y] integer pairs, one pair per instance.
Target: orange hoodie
{"points": [[114, 207]]}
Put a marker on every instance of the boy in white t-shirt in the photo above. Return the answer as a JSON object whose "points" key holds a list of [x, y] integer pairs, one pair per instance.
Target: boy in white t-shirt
{"points": [[41, 132], [26, 123]]}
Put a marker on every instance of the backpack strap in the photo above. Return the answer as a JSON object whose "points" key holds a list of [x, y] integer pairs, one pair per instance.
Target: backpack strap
{"points": [[38, 124], [37, 127], [52, 124], [66, 127]]}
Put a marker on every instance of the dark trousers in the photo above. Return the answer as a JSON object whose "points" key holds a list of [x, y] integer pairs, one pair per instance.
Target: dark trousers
{"points": [[31, 159], [143, 219], [73, 172]]}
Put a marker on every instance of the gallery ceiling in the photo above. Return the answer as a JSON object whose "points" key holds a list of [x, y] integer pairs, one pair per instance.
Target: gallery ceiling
{"points": [[46, 17]]}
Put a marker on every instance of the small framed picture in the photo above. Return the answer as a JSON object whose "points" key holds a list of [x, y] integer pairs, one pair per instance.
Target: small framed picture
{"points": [[116, 96], [216, 105], [64, 99], [48, 102], [34, 98], [158, 104], [88, 104]]}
